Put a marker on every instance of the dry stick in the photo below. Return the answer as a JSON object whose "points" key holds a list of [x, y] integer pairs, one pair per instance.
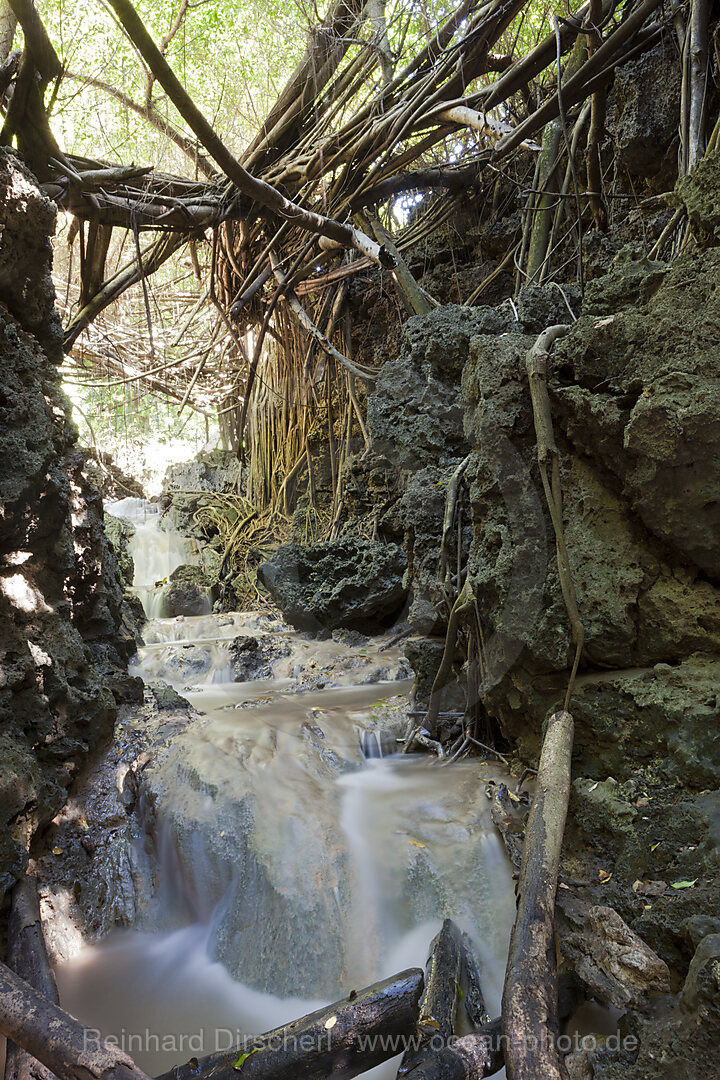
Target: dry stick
{"points": [[530, 1007], [308, 325], [70, 1050], [341, 1040], [249, 185], [536, 364]]}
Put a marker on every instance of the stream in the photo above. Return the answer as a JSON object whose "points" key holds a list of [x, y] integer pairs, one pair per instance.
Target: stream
{"points": [[296, 855]]}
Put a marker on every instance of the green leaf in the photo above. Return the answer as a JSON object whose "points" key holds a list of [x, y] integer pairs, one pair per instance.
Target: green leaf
{"points": [[683, 884], [459, 989], [242, 1058]]}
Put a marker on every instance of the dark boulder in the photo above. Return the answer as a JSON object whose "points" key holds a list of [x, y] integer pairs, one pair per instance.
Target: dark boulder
{"points": [[187, 592], [350, 582], [252, 657]]}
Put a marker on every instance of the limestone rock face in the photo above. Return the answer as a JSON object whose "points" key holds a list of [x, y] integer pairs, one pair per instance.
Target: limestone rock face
{"points": [[635, 398], [252, 657], [61, 654], [350, 582], [415, 415], [699, 193], [647, 99], [120, 532]]}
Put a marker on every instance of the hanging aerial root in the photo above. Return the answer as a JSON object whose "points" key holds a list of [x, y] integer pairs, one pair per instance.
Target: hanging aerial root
{"points": [[536, 364]]}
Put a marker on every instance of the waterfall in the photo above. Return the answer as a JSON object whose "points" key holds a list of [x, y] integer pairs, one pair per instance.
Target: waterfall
{"points": [[155, 552]]}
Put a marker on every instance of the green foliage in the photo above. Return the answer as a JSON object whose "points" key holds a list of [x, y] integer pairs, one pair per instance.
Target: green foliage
{"points": [[142, 433], [232, 55]]}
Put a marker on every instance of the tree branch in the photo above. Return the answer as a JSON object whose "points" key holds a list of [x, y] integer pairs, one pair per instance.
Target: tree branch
{"points": [[249, 185]]}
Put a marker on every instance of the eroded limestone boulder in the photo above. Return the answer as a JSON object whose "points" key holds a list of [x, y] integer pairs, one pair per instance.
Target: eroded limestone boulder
{"points": [[350, 582]]}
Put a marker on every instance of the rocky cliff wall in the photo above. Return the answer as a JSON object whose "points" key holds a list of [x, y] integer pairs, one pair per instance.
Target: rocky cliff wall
{"points": [[60, 654]]}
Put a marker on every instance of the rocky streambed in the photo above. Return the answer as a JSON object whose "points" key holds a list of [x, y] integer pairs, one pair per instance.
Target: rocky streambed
{"points": [[264, 824]]}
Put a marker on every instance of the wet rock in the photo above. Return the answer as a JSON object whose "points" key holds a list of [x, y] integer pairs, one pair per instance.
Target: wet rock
{"points": [[134, 618], [188, 662], [352, 583], [647, 100], [253, 657], [187, 592], [166, 698], [352, 638]]}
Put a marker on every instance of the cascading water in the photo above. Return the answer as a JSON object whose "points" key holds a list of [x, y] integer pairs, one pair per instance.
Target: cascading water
{"points": [[296, 860], [155, 552]]}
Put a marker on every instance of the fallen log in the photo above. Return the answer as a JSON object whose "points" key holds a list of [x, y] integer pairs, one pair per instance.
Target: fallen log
{"points": [[438, 1007], [342, 1040], [473, 997], [28, 957], [530, 996], [471, 1057], [65, 1046]]}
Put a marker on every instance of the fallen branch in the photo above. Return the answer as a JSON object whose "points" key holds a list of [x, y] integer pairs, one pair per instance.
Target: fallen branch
{"points": [[28, 957], [440, 1055], [341, 1040], [530, 996], [70, 1050]]}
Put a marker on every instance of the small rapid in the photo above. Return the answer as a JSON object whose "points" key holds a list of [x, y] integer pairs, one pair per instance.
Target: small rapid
{"points": [[297, 854]]}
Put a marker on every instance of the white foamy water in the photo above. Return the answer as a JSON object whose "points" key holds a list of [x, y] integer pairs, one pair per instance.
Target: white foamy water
{"points": [[155, 552]]}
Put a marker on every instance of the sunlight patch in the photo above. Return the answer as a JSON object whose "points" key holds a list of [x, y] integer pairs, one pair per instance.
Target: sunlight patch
{"points": [[22, 594]]}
